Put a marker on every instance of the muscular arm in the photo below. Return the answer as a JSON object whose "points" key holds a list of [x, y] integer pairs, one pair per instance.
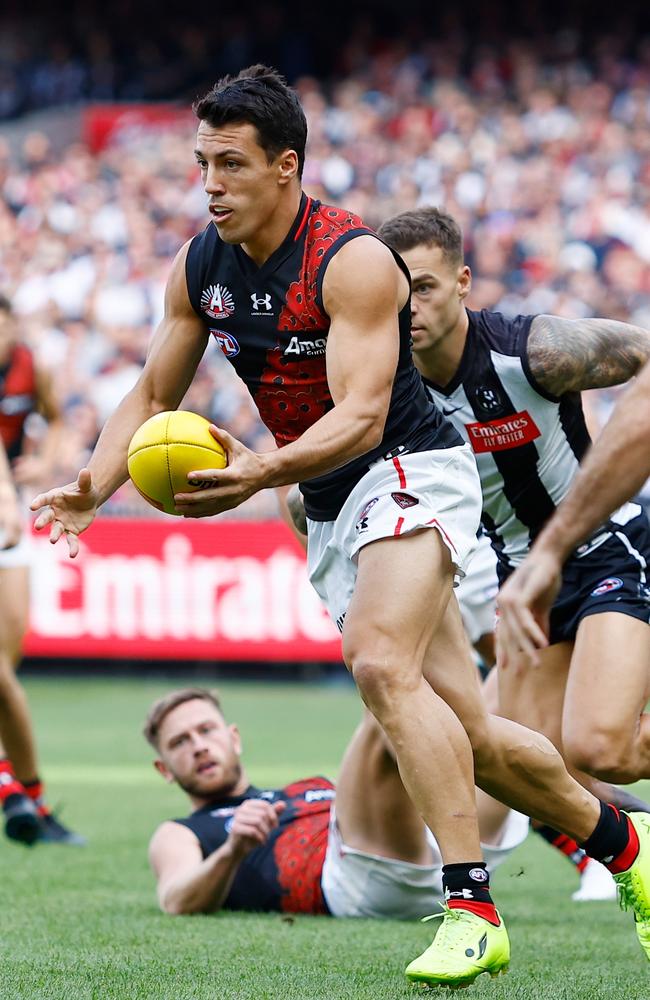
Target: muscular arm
{"points": [[568, 355], [614, 470], [188, 883], [174, 356], [362, 293], [176, 349], [48, 406], [10, 522]]}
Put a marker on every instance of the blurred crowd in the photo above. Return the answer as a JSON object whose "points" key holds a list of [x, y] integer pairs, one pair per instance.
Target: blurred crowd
{"points": [[541, 153]]}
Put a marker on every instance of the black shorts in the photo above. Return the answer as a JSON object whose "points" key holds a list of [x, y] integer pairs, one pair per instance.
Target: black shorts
{"points": [[610, 572]]}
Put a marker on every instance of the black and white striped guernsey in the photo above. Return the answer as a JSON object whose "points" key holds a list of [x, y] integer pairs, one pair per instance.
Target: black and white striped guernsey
{"points": [[527, 443]]}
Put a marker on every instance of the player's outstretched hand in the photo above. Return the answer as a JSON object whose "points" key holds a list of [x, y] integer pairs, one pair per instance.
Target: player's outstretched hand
{"points": [[223, 489], [524, 604], [67, 509], [252, 823]]}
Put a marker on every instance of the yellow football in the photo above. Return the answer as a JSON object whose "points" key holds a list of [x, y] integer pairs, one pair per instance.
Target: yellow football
{"points": [[164, 449]]}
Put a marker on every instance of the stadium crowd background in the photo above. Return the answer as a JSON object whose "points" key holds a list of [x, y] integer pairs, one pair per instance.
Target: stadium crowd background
{"points": [[538, 144]]}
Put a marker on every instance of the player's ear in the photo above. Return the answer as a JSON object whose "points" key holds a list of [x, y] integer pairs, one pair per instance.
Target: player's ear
{"points": [[464, 281], [287, 166], [236, 739], [162, 768]]}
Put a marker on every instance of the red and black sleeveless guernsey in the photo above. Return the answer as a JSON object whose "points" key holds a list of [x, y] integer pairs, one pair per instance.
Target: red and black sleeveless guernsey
{"points": [[17, 398], [285, 873], [271, 325]]}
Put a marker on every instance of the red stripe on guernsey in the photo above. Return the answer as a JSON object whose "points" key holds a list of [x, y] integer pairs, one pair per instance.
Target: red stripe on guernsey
{"points": [[627, 857], [398, 526], [303, 221], [485, 910], [400, 473], [434, 520]]}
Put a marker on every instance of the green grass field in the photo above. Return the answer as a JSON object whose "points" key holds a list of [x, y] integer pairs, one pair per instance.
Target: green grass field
{"points": [[82, 924]]}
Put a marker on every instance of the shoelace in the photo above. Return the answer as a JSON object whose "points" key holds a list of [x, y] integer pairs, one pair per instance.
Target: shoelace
{"points": [[628, 899], [442, 937]]}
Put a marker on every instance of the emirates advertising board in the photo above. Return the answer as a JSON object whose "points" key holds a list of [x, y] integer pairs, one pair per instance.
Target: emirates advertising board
{"points": [[197, 590]]}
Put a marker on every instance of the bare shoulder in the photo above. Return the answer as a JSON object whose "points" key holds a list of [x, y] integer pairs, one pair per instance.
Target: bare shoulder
{"points": [[177, 299], [173, 843], [364, 266], [570, 355]]}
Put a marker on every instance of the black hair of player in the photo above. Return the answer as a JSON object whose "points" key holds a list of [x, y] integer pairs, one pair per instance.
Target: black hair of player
{"points": [[5, 304], [426, 226], [260, 96]]}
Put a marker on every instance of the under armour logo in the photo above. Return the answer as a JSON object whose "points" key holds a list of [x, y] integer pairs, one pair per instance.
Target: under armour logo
{"points": [[261, 302]]}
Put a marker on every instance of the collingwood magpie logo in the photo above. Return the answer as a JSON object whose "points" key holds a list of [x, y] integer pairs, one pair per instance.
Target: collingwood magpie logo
{"points": [[217, 301], [488, 400], [262, 305]]}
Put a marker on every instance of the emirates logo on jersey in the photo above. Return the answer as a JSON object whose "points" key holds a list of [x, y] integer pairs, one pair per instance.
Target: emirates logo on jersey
{"points": [[217, 302], [507, 432]]}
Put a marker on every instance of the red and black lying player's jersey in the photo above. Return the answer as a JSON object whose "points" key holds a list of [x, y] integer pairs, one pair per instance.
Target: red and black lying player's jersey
{"points": [[270, 323], [285, 873], [17, 398]]}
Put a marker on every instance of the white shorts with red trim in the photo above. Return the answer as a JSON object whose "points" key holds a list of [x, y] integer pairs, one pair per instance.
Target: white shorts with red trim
{"points": [[426, 489]]}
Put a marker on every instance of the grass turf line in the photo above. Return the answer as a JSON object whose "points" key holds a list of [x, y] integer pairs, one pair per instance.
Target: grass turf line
{"points": [[83, 924]]}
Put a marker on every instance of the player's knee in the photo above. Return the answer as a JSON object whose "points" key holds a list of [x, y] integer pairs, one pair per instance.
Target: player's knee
{"points": [[604, 754], [380, 679]]}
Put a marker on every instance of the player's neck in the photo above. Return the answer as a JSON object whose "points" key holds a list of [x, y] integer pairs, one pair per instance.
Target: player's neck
{"points": [[273, 234], [440, 362]]}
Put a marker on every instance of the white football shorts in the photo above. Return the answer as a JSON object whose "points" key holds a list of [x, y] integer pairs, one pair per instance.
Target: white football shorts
{"points": [[17, 555], [477, 591], [427, 489], [356, 884]]}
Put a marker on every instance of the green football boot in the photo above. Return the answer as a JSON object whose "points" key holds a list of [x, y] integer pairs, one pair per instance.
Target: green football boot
{"points": [[633, 885], [465, 947]]}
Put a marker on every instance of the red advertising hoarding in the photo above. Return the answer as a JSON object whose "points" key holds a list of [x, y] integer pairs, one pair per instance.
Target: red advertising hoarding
{"points": [[116, 124], [191, 590]]}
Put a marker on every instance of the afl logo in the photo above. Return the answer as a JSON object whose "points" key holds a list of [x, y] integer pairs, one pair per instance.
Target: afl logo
{"points": [[226, 342], [217, 302], [611, 583]]}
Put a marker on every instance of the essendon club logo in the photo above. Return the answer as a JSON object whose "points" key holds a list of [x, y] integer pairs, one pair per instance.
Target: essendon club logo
{"points": [[507, 432], [217, 301], [404, 500]]}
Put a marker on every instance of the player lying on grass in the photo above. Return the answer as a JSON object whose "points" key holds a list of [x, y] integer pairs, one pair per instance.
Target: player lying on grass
{"points": [[361, 851]]}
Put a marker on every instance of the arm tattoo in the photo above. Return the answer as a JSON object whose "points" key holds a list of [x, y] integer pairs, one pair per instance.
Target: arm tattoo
{"points": [[568, 355]]}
